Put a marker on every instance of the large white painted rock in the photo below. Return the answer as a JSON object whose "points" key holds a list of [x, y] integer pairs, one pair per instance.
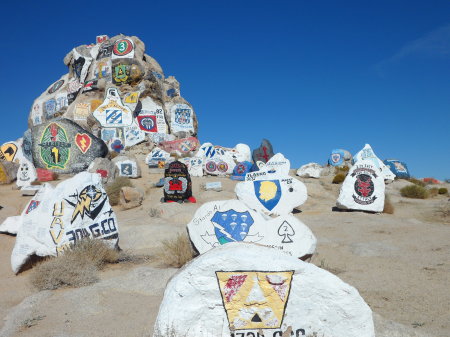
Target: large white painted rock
{"points": [[274, 195], [246, 290], [311, 170], [12, 224], [367, 154], [194, 165], [26, 173], [112, 112], [363, 188], [77, 208], [277, 166], [128, 167], [220, 222], [157, 157]]}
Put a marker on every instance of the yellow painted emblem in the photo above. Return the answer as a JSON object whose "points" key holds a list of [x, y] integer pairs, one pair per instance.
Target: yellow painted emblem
{"points": [[268, 190], [131, 97], [8, 151], [255, 300]]}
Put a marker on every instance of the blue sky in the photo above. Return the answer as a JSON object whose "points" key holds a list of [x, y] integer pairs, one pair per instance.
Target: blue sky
{"points": [[310, 76]]}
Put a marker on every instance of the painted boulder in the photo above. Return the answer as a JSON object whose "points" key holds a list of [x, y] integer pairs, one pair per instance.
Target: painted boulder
{"points": [[181, 118], [12, 224], [277, 166], [151, 119], [194, 165], [243, 290], [27, 145], [339, 157], [64, 147], [273, 195], [11, 151], [106, 168], [180, 147], [363, 188], [177, 183], [220, 222], [399, 168], [157, 158], [219, 166], [26, 173], [264, 152], [77, 208], [311, 170], [133, 135], [127, 166], [367, 154], [112, 112], [8, 172], [240, 170]]}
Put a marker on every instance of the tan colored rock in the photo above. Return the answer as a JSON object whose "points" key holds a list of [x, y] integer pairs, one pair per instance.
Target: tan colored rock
{"points": [[130, 197]]}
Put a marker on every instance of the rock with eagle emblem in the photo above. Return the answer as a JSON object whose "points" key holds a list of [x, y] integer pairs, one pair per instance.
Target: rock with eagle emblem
{"points": [[78, 208], [363, 188]]}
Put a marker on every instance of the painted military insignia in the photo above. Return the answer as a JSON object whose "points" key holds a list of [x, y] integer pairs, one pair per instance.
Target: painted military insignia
{"points": [[8, 151], [89, 202], [55, 87], [147, 123], [123, 47], [364, 187], [254, 299], [268, 192], [83, 142], [121, 73], [55, 147], [231, 226]]}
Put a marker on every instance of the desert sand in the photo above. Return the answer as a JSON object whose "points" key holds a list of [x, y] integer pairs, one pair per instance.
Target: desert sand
{"points": [[400, 263]]}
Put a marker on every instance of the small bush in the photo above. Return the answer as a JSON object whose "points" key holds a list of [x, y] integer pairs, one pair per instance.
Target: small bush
{"points": [[176, 252], [414, 191], [443, 190], [388, 207], [154, 213], [432, 192], [341, 169], [113, 189], [77, 267], [416, 182], [338, 178]]}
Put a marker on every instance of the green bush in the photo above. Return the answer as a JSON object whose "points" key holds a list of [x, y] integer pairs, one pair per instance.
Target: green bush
{"points": [[417, 182], [443, 190], [414, 191], [338, 178]]}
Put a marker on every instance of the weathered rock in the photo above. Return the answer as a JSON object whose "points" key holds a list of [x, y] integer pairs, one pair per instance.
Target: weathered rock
{"points": [[275, 195], [27, 145], [177, 182], [367, 154], [244, 289], [12, 224], [264, 152], [219, 222], [240, 170], [400, 169], [180, 147], [130, 197], [64, 147], [26, 173], [8, 172], [127, 166], [77, 208], [311, 170], [157, 158], [363, 188], [106, 168]]}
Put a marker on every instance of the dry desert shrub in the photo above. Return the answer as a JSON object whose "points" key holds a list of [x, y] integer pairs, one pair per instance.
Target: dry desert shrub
{"points": [[77, 267], [388, 207], [443, 190], [176, 252], [432, 192], [338, 178], [416, 182], [154, 213], [113, 189], [341, 169], [414, 191]]}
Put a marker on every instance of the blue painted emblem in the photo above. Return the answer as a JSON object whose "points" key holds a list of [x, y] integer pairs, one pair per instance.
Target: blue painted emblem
{"points": [[336, 157], [268, 192], [231, 226], [398, 168], [240, 170], [113, 116]]}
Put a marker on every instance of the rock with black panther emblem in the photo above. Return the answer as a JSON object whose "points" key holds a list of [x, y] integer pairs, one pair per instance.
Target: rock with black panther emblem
{"points": [[78, 208], [363, 188]]}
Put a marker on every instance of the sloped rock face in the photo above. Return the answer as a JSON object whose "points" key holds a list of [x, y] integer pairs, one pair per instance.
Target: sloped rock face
{"points": [[116, 91]]}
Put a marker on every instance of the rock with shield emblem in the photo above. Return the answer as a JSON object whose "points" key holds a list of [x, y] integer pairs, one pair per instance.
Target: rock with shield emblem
{"points": [[177, 183], [363, 188]]}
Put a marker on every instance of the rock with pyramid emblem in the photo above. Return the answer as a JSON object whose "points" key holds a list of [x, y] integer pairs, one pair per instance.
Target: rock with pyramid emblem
{"points": [[75, 209], [363, 188], [243, 289], [220, 222], [65, 147]]}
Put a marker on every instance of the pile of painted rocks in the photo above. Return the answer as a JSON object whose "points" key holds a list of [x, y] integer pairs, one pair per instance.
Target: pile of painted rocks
{"points": [[249, 279]]}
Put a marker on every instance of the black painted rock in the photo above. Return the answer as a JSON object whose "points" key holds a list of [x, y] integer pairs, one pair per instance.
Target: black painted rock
{"points": [[264, 152], [177, 182], [63, 146]]}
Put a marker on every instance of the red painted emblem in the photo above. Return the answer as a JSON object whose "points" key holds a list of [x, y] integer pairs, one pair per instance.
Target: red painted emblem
{"points": [[83, 142], [103, 173], [175, 185]]}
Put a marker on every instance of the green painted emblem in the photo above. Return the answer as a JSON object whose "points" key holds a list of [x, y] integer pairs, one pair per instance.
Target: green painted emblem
{"points": [[55, 147], [121, 73]]}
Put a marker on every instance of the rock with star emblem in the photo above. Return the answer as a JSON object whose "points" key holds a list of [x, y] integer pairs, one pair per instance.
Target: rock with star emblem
{"points": [[77, 208], [363, 188], [63, 146]]}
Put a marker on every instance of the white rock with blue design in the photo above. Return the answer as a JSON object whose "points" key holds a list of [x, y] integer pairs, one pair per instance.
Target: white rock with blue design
{"points": [[112, 112], [221, 222], [367, 154], [272, 194]]}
